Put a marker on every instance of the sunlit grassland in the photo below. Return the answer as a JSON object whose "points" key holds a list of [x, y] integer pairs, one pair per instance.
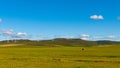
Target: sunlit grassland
{"points": [[60, 57]]}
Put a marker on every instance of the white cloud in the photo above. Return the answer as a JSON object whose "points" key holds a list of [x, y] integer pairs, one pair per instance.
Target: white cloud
{"points": [[97, 17], [98, 37], [20, 35], [68, 37], [7, 32], [85, 36], [109, 37], [11, 34], [112, 37]]}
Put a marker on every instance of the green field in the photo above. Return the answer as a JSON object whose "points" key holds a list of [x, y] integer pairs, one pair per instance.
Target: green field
{"points": [[59, 57]]}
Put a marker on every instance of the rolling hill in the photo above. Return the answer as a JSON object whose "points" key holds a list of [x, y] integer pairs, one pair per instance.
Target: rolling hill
{"points": [[59, 42]]}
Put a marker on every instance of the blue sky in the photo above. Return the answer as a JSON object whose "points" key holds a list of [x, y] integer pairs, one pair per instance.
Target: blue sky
{"points": [[87, 19]]}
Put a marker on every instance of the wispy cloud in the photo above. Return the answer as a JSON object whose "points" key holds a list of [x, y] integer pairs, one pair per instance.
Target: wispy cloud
{"points": [[7, 32], [109, 37], [98, 37], [68, 37], [85, 36], [12, 34], [97, 17], [20, 35], [112, 37]]}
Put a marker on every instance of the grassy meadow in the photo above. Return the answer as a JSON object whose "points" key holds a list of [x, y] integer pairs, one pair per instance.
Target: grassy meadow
{"points": [[60, 57]]}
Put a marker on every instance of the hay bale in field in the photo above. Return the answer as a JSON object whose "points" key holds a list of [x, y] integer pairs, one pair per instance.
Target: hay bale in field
{"points": [[83, 49]]}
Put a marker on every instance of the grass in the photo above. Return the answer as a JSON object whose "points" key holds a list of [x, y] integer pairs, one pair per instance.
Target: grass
{"points": [[59, 57]]}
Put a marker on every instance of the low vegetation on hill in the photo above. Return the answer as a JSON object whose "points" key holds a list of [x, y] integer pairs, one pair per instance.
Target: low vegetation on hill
{"points": [[60, 42]]}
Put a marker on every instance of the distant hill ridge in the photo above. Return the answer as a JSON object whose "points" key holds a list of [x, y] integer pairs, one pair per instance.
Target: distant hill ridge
{"points": [[60, 42]]}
